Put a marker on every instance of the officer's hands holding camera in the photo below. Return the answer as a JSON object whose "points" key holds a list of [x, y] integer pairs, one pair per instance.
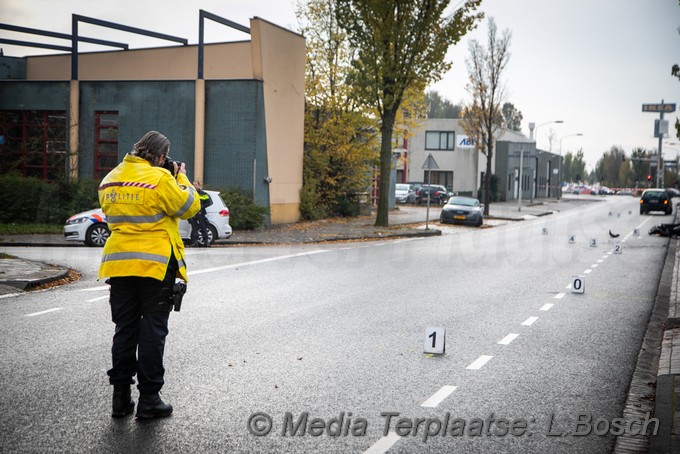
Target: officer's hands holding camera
{"points": [[174, 167]]}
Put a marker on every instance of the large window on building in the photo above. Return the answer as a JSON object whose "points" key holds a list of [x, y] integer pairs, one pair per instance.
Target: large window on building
{"points": [[444, 178], [440, 140], [105, 143], [33, 143]]}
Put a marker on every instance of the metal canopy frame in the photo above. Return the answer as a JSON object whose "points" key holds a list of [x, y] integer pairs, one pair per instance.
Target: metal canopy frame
{"points": [[76, 18], [75, 38], [202, 15], [35, 31]]}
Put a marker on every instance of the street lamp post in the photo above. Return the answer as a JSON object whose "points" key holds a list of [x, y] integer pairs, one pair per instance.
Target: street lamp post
{"points": [[534, 130], [559, 165]]}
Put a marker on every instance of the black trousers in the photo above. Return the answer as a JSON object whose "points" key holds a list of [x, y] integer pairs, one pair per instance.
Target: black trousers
{"points": [[140, 311], [199, 223]]}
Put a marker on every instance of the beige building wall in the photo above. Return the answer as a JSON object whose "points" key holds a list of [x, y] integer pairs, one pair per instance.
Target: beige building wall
{"points": [[279, 60], [221, 61], [274, 55]]}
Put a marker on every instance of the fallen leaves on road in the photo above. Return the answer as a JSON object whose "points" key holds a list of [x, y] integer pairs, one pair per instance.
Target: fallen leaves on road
{"points": [[71, 276]]}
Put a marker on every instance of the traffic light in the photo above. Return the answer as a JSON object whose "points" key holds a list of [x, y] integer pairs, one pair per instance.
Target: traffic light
{"points": [[649, 178]]}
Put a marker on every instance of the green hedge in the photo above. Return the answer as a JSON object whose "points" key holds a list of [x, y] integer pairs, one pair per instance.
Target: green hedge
{"points": [[244, 214], [30, 200]]}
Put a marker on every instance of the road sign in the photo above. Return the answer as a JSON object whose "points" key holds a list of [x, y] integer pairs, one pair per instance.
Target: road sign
{"points": [[430, 163], [665, 108]]}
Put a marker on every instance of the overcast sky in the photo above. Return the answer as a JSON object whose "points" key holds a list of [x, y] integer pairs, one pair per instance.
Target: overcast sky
{"points": [[589, 63]]}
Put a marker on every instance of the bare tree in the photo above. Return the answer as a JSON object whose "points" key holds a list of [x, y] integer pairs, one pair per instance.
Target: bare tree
{"points": [[484, 117]]}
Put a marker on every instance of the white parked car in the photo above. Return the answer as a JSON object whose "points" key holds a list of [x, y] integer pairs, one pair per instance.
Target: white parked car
{"points": [[405, 193], [91, 227]]}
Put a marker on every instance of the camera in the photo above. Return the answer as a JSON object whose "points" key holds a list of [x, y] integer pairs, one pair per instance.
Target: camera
{"points": [[169, 165]]}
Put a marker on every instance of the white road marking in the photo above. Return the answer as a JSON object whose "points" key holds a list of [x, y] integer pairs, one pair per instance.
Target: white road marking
{"points": [[594, 265], [439, 396], [479, 362], [547, 307], [600, 261], [560, 295], [568, 287], [226, 267], [8, 295], [507, 339], [97, 299], [44, 312], [384, 444], [587, 271], [255, 262], [95, 289], [530, 321]]}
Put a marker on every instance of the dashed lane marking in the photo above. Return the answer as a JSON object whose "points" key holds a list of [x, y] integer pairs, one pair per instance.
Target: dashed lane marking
{"points": [[530, 321], [44, 312], [479, 362], [547, 307], [509, 338], [384, 444], [97, 299], [439, 396]]}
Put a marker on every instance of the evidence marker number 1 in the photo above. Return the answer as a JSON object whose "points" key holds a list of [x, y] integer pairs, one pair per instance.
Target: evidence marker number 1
{"points": [[435, 340]]}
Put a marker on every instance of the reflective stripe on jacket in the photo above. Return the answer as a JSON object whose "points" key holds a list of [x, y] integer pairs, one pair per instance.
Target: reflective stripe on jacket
{"points": [[143, 205]]}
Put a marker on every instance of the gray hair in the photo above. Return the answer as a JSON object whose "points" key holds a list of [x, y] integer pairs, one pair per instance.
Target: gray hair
{"points": [[151, 147]]}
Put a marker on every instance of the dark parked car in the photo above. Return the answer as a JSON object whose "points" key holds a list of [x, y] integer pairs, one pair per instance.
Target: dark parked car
{"points": [[656, 199], [439, 195], [464, 210]]}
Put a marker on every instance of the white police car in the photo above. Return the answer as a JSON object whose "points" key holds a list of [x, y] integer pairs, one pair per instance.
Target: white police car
{"points": [[91, 227]]}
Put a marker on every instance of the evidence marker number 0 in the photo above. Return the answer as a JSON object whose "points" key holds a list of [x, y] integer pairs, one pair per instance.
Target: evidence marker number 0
{"points": [[435, 340], [578, 284]]}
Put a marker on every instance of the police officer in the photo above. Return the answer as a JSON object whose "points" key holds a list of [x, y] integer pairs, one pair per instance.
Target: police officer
{"points": [[200, 221], [143, 203]]}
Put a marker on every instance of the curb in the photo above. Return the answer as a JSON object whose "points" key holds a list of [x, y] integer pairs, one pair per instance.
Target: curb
{"points": [[23, 284]]}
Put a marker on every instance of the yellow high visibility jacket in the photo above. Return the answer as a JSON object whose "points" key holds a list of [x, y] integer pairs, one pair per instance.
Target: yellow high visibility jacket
{"points": [[143, 205]]}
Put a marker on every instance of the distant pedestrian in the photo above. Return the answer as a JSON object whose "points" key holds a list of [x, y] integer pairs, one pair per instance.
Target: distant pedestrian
{"points": [[199, 223], [143, 200]]}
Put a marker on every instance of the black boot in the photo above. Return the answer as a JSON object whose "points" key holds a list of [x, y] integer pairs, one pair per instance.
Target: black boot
{"points": [[123, 404], [151, 406]]}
